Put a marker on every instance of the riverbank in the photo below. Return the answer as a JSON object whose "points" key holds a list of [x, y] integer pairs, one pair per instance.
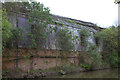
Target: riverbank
{"points": [[60, 70]]}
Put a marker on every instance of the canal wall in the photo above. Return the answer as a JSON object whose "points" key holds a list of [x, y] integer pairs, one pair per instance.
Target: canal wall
{"points": [[30, 59], [40, 59]]}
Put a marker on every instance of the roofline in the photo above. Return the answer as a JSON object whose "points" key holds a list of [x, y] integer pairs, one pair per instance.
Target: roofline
{"points": [[89, 24], [79, 21]]}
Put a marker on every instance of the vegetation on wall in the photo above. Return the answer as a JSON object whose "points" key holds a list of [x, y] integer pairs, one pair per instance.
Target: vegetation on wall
{"points": [[97, 39], [84, 34], [16, 6], [6, 28], [64, 38], [18, 36], [71, 21], [10, 34], [109, 39], [58, 23], [96, 59], [39, 18]]}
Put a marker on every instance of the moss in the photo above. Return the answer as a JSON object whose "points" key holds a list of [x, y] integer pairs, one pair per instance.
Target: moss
{"points": [[59, 23], [66, 25], [79, 25], [71, 21], [62, 19], [46, 61]]}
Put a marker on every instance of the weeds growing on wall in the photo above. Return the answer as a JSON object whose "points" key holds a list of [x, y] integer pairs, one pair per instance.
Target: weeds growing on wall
{"points": [[86, 66], [71, 21], [58, 23], [96, 59], [84, 34], [64, 38], [18, 36], [92, 48], [97, 38], [62, 42]]}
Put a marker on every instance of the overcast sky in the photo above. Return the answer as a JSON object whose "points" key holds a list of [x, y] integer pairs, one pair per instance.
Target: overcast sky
{"points": [[101, 12]]}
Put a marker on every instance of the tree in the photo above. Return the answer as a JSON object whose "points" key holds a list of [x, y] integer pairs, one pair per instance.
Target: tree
{"points": [[17, 6], [6, 28], [39, 18], [109, 39], [64, 39], [117, 1]]}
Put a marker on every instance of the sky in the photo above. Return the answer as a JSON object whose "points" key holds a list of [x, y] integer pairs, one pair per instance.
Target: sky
{"points": [[104, 13]]}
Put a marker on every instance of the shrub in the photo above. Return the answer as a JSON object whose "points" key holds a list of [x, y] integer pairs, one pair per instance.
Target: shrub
{"points": [[62, 72], [39, 18], [109, 38], [114, 59], [86, 66], [96, 59], [6, 29], [64, 39]]}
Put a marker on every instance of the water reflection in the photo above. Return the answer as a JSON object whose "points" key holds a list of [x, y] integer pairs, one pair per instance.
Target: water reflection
{"points": [[108, 73]]}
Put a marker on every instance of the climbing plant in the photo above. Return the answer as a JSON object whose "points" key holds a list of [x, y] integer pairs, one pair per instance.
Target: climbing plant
{"points": [[84, 34], [39, 18], [97, 37], [64, 38], [92, 48]]}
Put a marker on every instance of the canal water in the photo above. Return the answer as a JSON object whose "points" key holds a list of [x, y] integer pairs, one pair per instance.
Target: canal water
{"points": [[106, 73]]}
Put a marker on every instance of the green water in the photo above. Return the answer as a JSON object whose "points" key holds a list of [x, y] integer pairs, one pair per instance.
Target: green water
{"points": [[107, 73]]}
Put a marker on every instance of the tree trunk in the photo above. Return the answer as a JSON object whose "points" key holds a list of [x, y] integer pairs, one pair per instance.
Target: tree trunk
{"points": [[17, 43]]}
